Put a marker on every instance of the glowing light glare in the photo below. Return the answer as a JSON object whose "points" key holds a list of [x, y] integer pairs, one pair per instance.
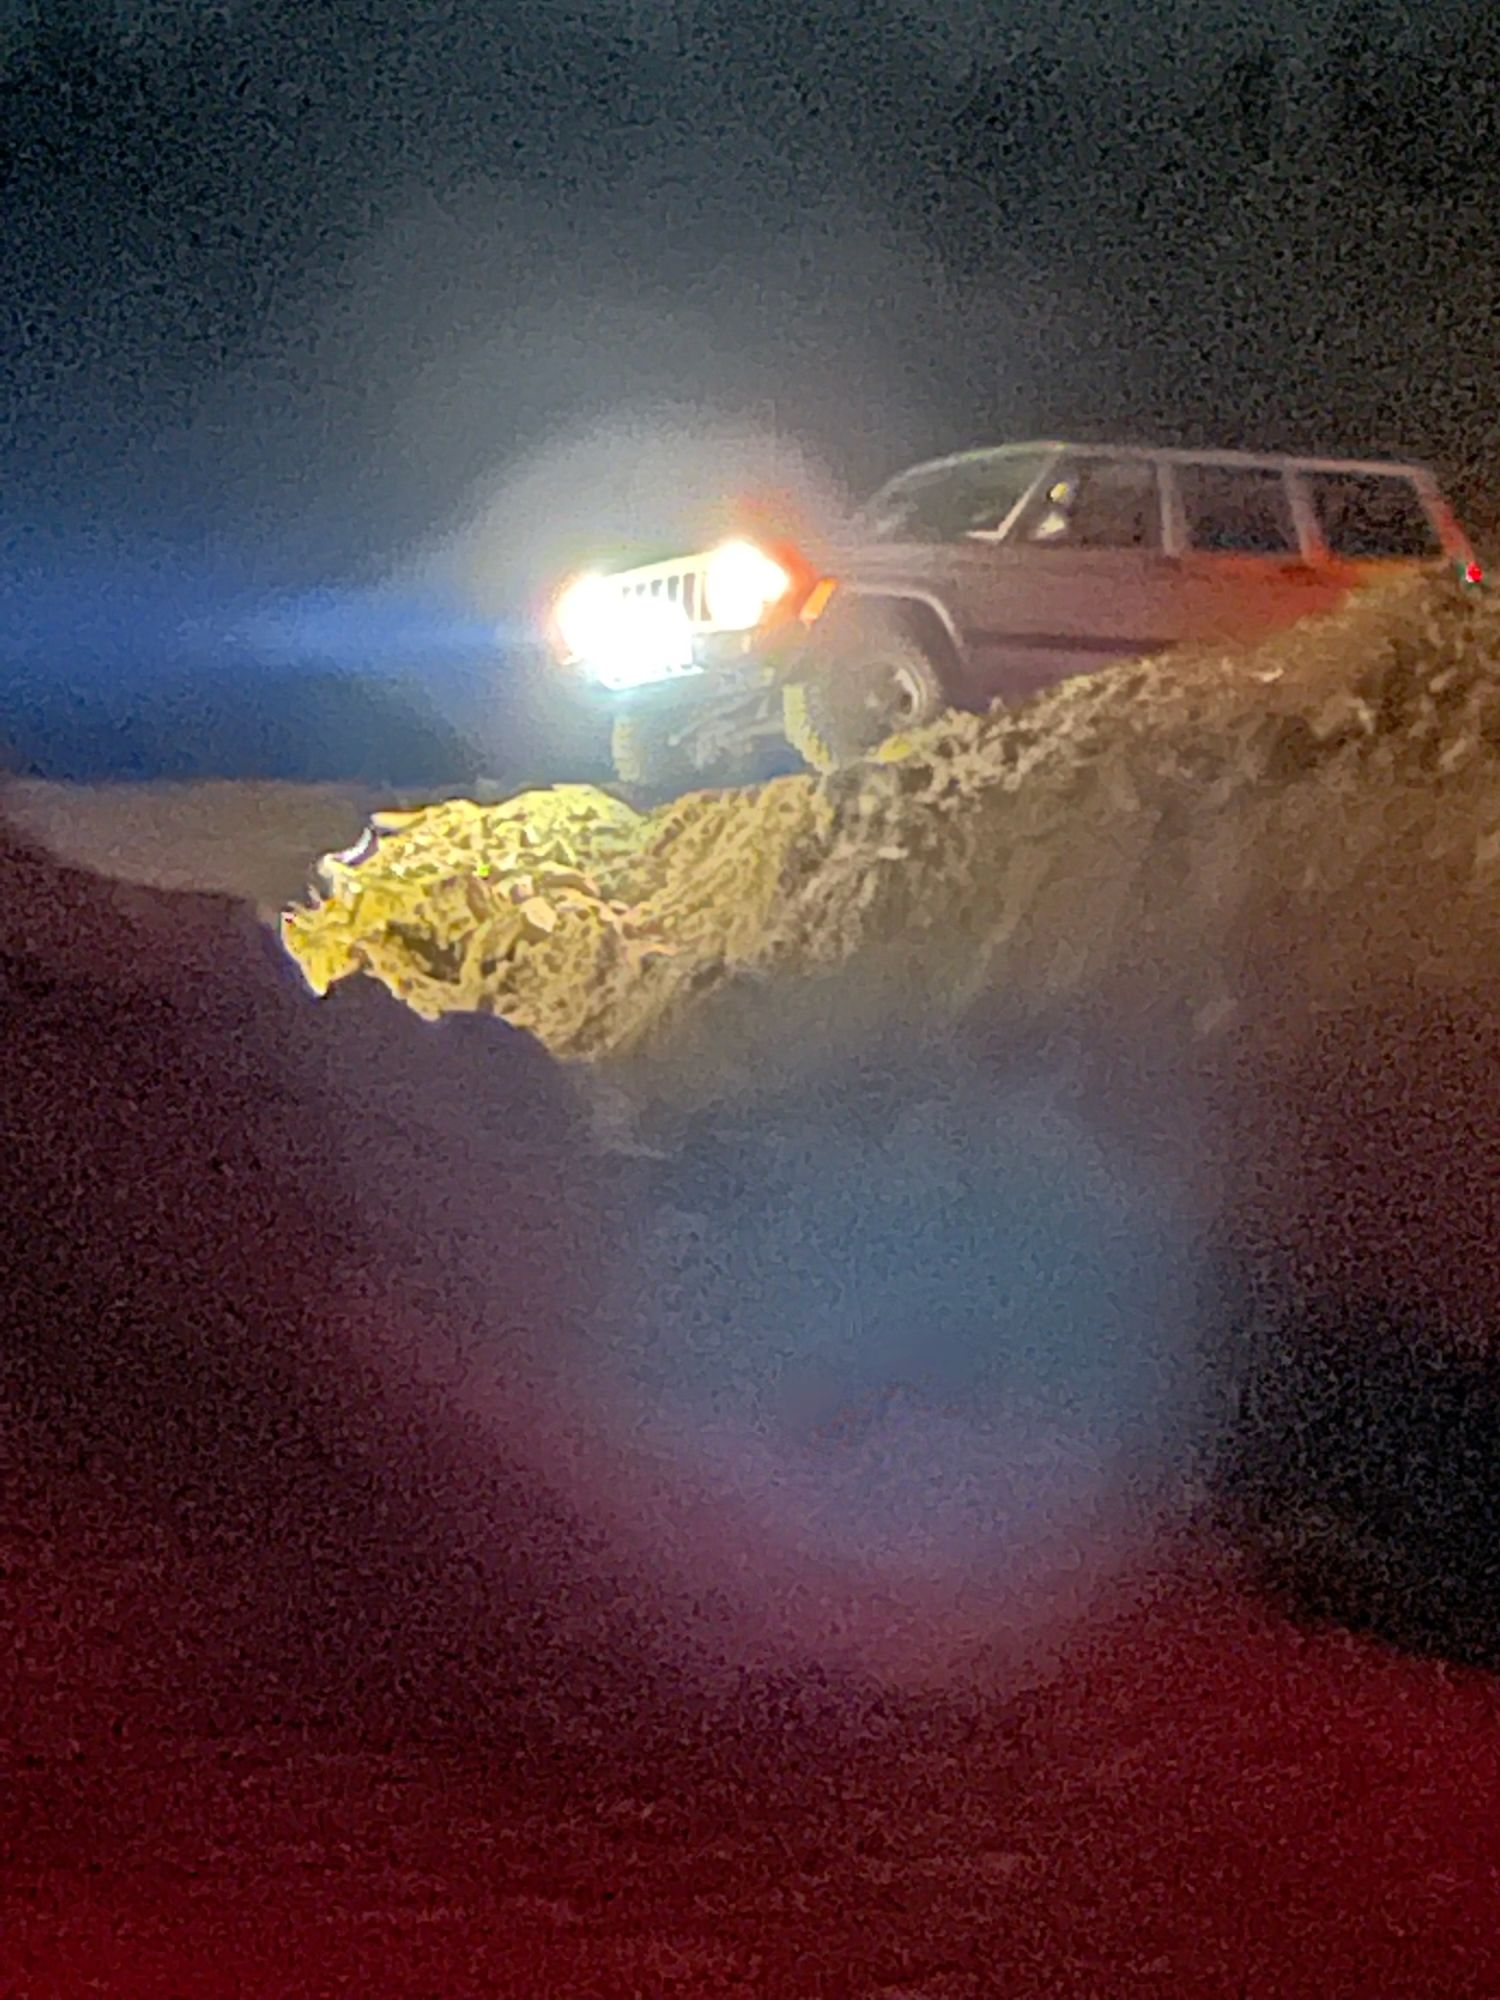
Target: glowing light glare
{"points": [[742, 584], [623, 641], [650, 639], [586, 615]]}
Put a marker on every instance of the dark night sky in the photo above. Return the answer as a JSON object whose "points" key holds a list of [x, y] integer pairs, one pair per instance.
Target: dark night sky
{"points": [[294, 287]]}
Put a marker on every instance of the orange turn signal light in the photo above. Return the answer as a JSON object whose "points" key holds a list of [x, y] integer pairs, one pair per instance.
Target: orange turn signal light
{"points": [[816, 601]]}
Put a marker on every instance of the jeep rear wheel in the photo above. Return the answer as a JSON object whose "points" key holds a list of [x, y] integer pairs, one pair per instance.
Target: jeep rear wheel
{"points": [[878, 681]]}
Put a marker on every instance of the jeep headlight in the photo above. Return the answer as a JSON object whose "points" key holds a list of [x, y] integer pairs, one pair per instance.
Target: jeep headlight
{"points": [[742, 583], [623, 640], [585, 616]]}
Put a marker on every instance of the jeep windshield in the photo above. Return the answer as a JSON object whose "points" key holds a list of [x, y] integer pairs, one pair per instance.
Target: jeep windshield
{"points": [[950, 502]]}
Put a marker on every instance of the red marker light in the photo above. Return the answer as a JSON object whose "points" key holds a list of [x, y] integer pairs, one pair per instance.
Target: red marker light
{"points": [[1473, 573]]}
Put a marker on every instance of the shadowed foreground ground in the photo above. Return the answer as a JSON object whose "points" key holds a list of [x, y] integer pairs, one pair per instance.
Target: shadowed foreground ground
{"points": [[324, 1677]]}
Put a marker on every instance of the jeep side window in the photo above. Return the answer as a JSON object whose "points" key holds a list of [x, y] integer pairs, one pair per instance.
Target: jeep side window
{"points": [[1368, 515], [1097, 503], [974, 497], [1237, 509]]}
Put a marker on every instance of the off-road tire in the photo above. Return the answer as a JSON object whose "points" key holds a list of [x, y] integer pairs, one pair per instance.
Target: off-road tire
{"points": [[876, 682]]}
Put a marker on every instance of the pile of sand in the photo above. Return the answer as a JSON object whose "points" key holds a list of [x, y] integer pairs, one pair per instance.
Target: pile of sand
{"points": [[1333, 794]]}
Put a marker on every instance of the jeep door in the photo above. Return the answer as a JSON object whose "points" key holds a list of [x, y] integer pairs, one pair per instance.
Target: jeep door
{"points": [[1082, 577], [934, 535], [1251, 560]]}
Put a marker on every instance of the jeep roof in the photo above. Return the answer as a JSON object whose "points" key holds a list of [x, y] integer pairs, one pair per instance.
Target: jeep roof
{"points": [[1042, 454], [1049, 447]]}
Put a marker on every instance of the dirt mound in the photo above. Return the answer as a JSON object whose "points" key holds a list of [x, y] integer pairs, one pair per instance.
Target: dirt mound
{"points": [[1334, 790], [334, 1328], [1232, 915], [554, 908], [251, 1246]]}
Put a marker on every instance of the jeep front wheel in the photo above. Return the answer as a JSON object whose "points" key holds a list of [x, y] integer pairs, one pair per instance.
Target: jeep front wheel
{"points": [[644, 752], [879, 681]]}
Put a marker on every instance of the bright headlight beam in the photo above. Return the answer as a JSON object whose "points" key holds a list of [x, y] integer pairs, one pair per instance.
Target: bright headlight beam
{"points": [[650, 641], [586, 615], [620, 641], [743, 583]]}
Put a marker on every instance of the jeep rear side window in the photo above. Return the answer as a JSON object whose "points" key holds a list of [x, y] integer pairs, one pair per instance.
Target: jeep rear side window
{"points": [[1368, 515], [951, 501], [1097, 503], [1237, 510]]}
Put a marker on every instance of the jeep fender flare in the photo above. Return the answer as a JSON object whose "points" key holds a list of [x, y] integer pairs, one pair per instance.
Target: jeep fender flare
{"points": [[923, 617]]}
